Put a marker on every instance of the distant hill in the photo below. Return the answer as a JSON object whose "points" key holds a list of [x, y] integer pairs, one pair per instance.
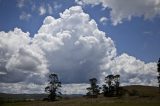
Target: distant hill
{"points": [[4, 96], [30, 97]]}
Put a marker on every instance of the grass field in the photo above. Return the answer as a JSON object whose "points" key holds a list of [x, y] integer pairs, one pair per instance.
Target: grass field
{"points": [[141, 96], [124, 101]]}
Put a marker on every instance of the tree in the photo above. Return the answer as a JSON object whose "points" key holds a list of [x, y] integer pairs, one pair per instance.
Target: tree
{"points": [[52, 87], [94, 89], [116, 80], [158, 69], [111, 87], [105, 90]]}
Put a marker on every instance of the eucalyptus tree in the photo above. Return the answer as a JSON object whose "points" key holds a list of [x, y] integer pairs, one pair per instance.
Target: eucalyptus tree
{"points": [[94, 89], [53, 86], [117, 83], [111, 86]]}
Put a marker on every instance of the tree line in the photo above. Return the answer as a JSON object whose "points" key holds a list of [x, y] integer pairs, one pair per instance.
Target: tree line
{"points": [[110, 88]]}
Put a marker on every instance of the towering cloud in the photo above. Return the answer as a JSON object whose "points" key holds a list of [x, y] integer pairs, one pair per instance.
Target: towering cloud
{"points": [[126, 9], [71, 46], [74, 46]]}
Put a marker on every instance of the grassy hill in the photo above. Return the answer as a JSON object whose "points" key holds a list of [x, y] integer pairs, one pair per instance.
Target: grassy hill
{"points": [[135, 95], [140, 90]]}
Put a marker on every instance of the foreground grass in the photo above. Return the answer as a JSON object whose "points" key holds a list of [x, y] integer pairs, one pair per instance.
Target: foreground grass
{"points": [[125, 101]]}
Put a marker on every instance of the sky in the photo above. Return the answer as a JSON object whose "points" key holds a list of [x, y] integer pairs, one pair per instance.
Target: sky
{"points": [[77, 39]]}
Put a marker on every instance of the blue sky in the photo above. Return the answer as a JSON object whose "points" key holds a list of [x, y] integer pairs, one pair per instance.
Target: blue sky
{"points": [[137, 37]]}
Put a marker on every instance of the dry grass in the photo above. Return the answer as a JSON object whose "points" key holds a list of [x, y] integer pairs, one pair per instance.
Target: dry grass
{"points": [[114, 101], [146, 96], [146, 91]]}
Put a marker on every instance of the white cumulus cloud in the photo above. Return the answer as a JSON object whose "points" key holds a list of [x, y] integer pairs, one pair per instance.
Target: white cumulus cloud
{"points": [[131, 70], [126, 9], [74, 45], [19, 59], [74, 88]]}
